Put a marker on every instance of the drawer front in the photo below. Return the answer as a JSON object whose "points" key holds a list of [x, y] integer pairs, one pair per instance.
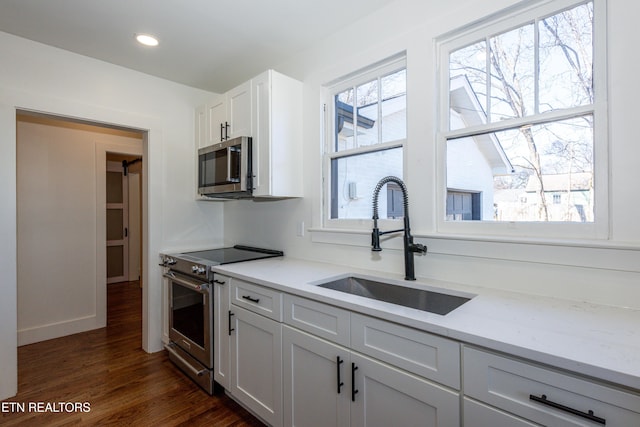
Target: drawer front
{"points": [[477, 414], [325, 321], [545, 396], [261, 300], [421, 353]]}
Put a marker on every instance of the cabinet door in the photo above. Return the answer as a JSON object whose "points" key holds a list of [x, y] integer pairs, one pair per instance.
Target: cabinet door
{"points": [[202, 138], [239, 111], [216, 118], [277, 135], [256, 364], [221, 331], [313, 370], [261, 131], [387, 396]]}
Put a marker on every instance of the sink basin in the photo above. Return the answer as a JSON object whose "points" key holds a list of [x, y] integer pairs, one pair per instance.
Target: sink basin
{"points": [[421, 299]]}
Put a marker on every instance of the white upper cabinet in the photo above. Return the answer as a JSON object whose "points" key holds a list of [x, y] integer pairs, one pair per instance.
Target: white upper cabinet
{"points": [[277, 135], [224, 117], [267, 108], [239, 111]]}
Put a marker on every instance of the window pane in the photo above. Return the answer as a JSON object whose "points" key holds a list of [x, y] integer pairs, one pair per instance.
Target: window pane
{"points": [[535, 173], [512, 74], [468, 86], [354, 178], [345, 139], [566, 59], [367, 109], [394, 106]]}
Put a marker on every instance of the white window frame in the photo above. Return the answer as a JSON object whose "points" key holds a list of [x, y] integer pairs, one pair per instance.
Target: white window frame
{"points": [[378, 69], [496, 24]]}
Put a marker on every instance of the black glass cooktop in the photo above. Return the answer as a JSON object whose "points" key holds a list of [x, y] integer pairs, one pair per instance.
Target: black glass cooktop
{"points": [[237, 253]]}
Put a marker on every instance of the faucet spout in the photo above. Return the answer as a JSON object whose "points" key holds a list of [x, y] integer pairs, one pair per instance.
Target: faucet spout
{"points": [[409, 246]]}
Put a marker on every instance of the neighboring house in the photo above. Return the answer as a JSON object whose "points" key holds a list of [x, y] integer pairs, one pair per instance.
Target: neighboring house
{"points": [[563, 203], [472, 162], [354, 197]]}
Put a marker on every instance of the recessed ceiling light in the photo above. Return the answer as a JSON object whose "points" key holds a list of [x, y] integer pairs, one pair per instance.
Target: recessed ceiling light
{"points": [[147, 40]]}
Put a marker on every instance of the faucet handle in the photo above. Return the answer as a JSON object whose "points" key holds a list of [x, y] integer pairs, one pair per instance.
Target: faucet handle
{"points": [[418, 248]]}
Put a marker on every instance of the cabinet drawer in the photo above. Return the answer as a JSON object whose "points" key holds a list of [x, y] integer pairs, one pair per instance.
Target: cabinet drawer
{"points": [[545, 396], [421, 353], [325, 321], [261, 300], [477, 414]]}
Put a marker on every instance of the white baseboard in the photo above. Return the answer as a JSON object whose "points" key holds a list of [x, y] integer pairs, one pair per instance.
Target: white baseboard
{"points": [[59, 329]]}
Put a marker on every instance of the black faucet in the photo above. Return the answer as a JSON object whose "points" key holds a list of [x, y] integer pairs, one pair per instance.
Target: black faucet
{"points": [[409, 247]]}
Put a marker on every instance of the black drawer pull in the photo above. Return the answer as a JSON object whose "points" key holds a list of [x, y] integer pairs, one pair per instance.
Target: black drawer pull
{"points": [[338, 363], [219, 282], [247, 297], [588, 415], [354, 391], [230, 328]]}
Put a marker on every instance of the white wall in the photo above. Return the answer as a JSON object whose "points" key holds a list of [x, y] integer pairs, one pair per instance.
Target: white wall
{"points": [[605, 272], [41, 78]]}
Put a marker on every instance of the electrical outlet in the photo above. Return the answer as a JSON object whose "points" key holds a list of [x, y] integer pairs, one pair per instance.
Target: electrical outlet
{"points": [[300, 229]]}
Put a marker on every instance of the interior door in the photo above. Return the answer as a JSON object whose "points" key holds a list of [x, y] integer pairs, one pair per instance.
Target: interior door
{"points": [[117, 224]]}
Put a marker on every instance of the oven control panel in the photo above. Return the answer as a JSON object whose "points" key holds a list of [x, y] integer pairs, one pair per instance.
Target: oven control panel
{"points": [[188, 267], [199, 269]]}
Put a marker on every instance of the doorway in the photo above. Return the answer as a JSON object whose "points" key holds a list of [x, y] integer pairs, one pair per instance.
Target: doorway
{"points": [[124, 217], [61, 222]]}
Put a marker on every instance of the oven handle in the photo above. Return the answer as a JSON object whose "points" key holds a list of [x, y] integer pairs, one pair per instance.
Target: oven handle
{"points": [[187, 365], [200, 287]]}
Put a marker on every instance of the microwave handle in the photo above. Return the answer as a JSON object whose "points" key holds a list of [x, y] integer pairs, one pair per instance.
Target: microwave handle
{"points": [[229, 164]]}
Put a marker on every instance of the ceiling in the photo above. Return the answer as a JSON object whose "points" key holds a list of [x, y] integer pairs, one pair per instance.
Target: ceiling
{"points": [[208, 44]]}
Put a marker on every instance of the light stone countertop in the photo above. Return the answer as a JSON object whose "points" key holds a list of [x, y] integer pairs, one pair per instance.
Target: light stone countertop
{"points": [[598, 341]]}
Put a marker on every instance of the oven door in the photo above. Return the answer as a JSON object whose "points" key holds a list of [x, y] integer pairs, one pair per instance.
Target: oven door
{"points": [[191, 316]]}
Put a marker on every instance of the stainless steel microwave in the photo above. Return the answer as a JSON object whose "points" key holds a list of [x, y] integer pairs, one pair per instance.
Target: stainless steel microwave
{"points": [[225, 169]]}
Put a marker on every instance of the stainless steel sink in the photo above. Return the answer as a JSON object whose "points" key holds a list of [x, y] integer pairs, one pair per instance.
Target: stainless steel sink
{"points": [[421, 299]]}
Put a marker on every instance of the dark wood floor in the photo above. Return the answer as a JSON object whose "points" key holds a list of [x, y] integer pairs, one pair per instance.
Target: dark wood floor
{"points": [[122, 384]]}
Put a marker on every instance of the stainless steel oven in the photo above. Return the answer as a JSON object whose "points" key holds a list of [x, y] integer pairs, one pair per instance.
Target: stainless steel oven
{"points": [[190, 326], [190, 282]]}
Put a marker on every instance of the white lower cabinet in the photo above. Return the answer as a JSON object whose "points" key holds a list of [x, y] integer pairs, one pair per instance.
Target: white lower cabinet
{"points": [[256, 364], [327, 366], [326, 384], [385, 396], [316, 387], [541, 395]]}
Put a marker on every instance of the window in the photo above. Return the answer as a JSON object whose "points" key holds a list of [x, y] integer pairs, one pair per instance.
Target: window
{"points": [[525, 117], [367, 118]]}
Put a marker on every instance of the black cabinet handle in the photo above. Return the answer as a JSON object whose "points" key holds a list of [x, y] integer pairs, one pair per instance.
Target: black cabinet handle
{"points": [[354, 391], [588, 415], [338, 363], [219, 282], [221, 130], [226, 130], [230, 328], [249, 298]]}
